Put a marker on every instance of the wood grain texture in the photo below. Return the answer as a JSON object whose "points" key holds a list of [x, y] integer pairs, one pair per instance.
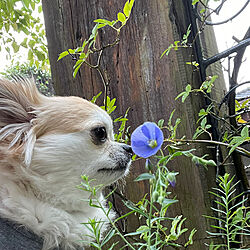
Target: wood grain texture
{"points": [[139, 79]]}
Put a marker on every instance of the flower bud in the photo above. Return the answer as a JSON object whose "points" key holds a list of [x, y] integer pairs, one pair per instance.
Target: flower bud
{"points": [[171, 178]]}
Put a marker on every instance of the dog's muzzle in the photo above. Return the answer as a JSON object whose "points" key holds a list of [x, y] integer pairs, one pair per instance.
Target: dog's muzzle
{"points": [[122, 159]]}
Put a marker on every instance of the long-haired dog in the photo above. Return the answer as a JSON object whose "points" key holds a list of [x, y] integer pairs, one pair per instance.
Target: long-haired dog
{"points": [[46, 144]]}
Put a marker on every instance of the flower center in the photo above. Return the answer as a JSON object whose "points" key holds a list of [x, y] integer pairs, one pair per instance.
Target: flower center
{"points": [[152, 143]]}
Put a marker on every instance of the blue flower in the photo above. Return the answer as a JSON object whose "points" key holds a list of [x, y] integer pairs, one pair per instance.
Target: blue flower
{"points": [[146, 139]]}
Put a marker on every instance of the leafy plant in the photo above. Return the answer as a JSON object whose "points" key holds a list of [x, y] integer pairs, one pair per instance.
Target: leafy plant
{"points": [[238, 140], [81, 54], [18, 17], [41, 77], [178, 44], [94, 226], [231, 217]]}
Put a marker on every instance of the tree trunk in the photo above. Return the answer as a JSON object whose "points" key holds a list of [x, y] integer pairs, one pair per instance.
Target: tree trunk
{"points": [[139, 79]]}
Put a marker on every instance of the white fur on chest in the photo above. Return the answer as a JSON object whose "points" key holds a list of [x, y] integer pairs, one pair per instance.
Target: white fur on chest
{"points": [[55, 225]]}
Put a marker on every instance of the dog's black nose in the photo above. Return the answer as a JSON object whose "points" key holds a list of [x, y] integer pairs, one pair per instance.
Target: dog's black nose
{"points": [[128, 149]]}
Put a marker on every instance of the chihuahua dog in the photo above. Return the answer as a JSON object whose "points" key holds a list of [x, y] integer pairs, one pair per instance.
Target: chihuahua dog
{"points": [[46, 144]]}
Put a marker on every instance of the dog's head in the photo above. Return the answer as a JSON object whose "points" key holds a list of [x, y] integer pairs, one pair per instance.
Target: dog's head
{"points": [[52, 141]]}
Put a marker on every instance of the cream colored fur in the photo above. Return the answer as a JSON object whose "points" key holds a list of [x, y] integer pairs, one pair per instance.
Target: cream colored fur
{"points": [[45, 147]]}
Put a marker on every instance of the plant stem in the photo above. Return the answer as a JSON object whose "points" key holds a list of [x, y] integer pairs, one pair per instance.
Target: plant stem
{"points": [[242, 150], [227, 213], [149, 218]]}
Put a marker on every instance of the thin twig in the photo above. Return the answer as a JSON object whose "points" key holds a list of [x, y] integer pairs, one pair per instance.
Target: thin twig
{"points": [[217, 11], [238, 149]]}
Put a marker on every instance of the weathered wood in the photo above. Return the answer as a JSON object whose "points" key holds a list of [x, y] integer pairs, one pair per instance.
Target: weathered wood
{"points": [[139, 79]]}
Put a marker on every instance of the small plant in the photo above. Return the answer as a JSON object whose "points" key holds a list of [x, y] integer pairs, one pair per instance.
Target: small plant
{"points": [[231, 217]]}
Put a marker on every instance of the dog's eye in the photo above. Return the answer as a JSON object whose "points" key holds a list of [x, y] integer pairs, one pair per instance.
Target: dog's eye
{"points": [[100, 134]]}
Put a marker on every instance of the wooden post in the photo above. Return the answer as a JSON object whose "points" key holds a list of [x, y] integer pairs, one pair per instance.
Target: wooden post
{"points": [[139, 79]]}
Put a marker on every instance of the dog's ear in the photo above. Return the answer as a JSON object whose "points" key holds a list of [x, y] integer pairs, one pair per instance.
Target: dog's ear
{"points": [[18, 100]]}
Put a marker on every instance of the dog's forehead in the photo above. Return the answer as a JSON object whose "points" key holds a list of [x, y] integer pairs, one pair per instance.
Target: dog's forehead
{"points": [[95, 116], [99, 117], [88, 111], [70, 114]]}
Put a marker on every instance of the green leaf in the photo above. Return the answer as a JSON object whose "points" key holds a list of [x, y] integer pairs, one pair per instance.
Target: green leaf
{"points": [[131, 3], [100, 25], [190, 238], [30, 55], [167, 51], [184, 97], [93, 244], [77, 69], [37, 63], [94, 30], [31, 43], [96, 97], [140, 230], [195, 2], [202, 10], [26, 4], [194, 63], [244, 132], [181, 94], [40, 9], [15, 47], [127, 9], [168, 201], [135, 209], [104, 22], [185, 36], [63, 54], [238, 143], [211, 163], [40, 55], [108, 236], [77, 63], [160, 123], [185, 94], [71, 51], [7, 27], [24, 43], [121, 17], [188, 88], [203, 122], [202, 112], [145, 176]]}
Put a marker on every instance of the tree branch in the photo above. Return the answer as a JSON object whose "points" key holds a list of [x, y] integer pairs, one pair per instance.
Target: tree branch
{"points": [[241, 45], [217, 11]]}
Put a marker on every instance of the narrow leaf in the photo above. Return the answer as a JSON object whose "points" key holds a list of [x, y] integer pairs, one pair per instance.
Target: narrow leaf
{"points": [[145, 176]]}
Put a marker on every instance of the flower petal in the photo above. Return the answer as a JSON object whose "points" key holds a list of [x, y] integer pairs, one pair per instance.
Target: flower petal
{"points": [[148, 129], [144, 151], [139, 143], [159, 136]]}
